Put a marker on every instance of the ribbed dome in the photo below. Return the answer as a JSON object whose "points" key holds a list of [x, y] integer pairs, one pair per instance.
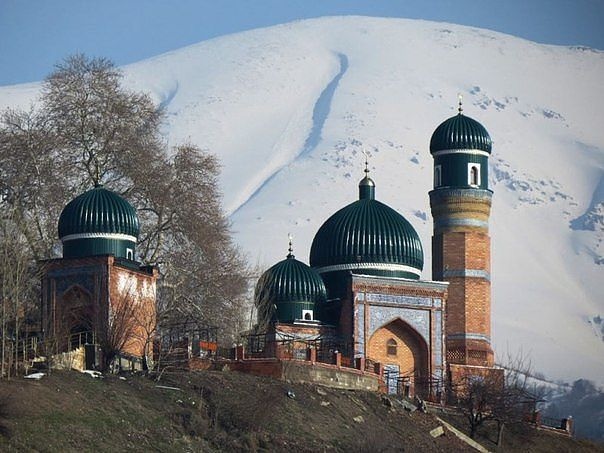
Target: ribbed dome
{"points": [[290, 280], [291, 286], [98, 211], [460, 132], [369, 237]]}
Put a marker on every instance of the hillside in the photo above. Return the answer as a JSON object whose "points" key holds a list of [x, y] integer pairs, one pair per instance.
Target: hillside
{"points": [[222, 411], [288, 110]]}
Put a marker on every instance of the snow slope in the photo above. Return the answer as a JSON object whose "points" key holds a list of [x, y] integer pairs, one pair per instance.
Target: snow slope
{"points": [[290, 108]]}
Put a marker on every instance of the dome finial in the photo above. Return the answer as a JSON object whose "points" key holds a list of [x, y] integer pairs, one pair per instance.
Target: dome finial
{"points": [[366, 186], [460, 99], [366, 163], [291, 248]]}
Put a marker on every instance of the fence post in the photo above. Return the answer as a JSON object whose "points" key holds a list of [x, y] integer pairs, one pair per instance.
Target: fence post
{"points": [[360, 363], [311, 354]]}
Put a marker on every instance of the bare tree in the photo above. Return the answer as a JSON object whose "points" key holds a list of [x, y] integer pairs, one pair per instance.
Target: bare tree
{"points": [[504, 395], [87, 129]]}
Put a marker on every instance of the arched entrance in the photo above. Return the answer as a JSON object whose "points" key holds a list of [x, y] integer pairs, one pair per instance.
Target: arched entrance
{"points": [[404, 354], [77, 319]]}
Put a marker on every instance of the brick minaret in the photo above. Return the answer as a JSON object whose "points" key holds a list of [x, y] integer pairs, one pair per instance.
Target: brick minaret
{"points": [[461, 205]]}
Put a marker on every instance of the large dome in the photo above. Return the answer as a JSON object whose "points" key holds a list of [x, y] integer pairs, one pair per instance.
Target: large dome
{"points": [[98, 222], [460, 132], [292, 287], [368, 237]]}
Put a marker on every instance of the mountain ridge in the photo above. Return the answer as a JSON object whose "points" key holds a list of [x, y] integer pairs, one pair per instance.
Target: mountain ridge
{"points": [[251, 99]]}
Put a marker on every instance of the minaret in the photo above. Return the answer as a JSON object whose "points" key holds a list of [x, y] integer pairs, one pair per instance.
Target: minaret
{"points": [[461, 249]]}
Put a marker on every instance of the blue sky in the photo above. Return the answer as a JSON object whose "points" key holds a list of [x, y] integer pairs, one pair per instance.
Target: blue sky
{"points": [[36, 34]]}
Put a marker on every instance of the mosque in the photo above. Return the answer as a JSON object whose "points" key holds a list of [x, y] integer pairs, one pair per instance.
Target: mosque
{"points": [[361, 293]]}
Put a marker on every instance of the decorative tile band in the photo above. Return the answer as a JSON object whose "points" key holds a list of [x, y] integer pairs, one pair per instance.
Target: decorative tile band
{"points": [[443, 223], [473, 273], [469, 336], [397, 300], [442, 194]]}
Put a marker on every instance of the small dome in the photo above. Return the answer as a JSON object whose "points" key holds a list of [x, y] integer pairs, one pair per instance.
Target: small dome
{"points": [[98, 222], [369, 237], [292, 287], [98, 210], [460, 132]]}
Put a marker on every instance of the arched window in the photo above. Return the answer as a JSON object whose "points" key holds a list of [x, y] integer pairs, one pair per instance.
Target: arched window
{"points": [[391, 347], [437, 176], [474, 174]]}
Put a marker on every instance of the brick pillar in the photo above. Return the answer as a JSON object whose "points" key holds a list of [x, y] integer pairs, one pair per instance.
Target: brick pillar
{"points": [[567, 425], [338, 359], [311, 355], [360, 363], [239, 352]]}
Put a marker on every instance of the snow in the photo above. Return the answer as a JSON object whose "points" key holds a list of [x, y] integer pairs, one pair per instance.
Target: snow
{"points": [[289, 110], [36, 376], [93, 374]]}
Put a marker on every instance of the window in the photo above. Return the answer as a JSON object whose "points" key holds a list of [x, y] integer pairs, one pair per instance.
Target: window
{"points": [[391, 347], [437, 176], [129, 254], [473, 174], [307, 315]]}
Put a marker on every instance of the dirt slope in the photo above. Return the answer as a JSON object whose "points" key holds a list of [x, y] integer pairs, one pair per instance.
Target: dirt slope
{"points": [[210, 411]]}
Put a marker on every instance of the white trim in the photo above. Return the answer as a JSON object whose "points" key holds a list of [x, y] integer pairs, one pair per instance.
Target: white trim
{"points": [[475, 152], [118, 236], [308, 312], [472, 165], [372, 266]]}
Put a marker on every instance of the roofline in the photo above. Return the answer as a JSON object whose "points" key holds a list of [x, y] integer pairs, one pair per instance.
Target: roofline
{"points": [[423, 283]]}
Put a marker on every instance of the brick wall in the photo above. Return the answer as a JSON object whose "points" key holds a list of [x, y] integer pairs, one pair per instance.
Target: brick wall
{"points": [[101, 286]]}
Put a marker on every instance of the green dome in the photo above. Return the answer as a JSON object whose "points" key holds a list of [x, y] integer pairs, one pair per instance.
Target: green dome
{"points": [[460, 132], [368, 237], [98, 222], [291, 286]]}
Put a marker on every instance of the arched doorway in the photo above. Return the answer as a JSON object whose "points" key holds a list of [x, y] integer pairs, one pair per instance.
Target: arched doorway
{"points": [[404, 354], [77, 319]]}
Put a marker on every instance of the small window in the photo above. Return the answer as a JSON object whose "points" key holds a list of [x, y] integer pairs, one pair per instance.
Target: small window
{"points": [[130, 254], [473, 174], [437, 176], [391, 347], [307, 315]]}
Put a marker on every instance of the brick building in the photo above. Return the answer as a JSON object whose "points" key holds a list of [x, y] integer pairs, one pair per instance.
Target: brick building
{"points": [[426, 333], [97, 294]]}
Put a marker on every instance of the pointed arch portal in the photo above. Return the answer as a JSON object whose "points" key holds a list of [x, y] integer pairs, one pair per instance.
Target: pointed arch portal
{"points": [[403, 351]]}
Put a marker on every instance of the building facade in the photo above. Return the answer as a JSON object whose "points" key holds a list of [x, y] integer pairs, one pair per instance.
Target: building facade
{"points": [[425, 333], [97, 293]]}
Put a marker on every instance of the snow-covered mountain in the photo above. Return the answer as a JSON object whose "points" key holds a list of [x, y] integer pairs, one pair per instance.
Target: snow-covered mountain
{"points": [[289, 109]]}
